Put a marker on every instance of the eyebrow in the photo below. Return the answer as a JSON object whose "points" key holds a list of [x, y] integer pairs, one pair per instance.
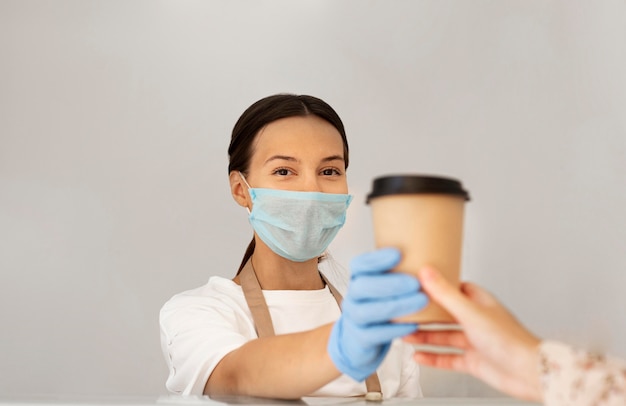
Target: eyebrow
{"points": [[292, 159], [333, 158], [281, 157]]}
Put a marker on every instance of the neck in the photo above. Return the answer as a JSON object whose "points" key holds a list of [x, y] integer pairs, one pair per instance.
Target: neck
{"points": [[277, 273]]}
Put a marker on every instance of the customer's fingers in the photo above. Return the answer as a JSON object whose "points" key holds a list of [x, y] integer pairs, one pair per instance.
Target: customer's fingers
{"points": [[447, 295], [456, 339], [454, 362], [478, 295]]}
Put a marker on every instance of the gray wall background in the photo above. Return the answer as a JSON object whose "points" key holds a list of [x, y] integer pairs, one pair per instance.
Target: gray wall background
{"points": [[115, 117]]}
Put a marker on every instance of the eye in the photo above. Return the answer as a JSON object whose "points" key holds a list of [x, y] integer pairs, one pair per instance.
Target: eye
{"points": [[282, 172], [331, 172]]}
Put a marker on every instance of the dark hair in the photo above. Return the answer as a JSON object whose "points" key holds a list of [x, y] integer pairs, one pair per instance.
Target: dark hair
{"points": [[265, 111]]}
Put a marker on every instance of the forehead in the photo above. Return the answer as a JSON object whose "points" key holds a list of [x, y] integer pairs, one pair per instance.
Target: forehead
{"points": [[298, 136]]}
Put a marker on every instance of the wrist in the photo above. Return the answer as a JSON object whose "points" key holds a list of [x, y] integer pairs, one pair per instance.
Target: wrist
{"points": [[357, 366], [531, 368]]}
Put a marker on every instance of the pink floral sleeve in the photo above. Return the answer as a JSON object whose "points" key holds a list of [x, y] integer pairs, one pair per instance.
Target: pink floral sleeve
{"points": [[572, 377]]}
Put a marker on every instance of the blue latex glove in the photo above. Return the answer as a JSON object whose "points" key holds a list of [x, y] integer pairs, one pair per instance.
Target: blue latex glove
{"points": [[361, 338]]}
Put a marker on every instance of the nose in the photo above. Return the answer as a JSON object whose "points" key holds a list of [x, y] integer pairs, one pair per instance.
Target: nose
{"points": [[310, 183]]}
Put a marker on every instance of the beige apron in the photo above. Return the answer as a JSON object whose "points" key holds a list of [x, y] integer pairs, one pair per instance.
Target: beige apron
{"points": [[263, 321]]}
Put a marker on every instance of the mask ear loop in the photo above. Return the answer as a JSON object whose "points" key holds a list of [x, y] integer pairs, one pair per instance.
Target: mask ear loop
{"points": [[244, 179], [246, 182]]}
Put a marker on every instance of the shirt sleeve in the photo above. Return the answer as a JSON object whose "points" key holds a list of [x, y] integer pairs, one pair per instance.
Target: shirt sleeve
{"points": [[574, 377], [195, 336]]}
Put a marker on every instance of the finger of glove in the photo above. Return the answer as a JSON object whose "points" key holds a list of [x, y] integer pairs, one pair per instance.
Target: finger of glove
{"points": [[382, 286], [377, 261], [359, 338], [380, 311]]}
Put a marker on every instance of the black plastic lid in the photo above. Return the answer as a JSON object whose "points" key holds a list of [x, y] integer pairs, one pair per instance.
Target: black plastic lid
{"points": [[412, 184]]}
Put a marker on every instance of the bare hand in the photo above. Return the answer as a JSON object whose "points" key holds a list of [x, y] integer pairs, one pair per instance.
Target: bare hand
{"points": [[496, 348]]}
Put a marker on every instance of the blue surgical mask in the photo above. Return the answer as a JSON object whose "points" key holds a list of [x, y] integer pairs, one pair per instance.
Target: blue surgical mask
{"points": [[297, 225]]}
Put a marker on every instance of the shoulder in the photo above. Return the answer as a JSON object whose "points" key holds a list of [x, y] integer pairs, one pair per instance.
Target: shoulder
{"points": [[215, 287], [218, 296]]}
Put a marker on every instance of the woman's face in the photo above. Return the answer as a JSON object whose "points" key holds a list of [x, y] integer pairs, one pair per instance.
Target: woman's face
{"points": [[299, 154]]}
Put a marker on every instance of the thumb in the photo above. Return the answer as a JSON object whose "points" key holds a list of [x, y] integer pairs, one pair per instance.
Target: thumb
{"points": [[444, 293]]}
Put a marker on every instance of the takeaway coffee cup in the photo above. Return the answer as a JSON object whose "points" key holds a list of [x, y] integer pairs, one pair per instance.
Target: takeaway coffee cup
{"points": [[423, 217]]}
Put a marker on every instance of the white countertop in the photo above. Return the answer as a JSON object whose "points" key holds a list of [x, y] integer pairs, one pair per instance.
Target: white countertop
{"points": [[205, 401]]}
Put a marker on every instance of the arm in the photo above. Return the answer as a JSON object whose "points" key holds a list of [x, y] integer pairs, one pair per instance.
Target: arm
{"points": [[500, 351], [294, 365], [298, 361], [496, 348], [577, 377]]}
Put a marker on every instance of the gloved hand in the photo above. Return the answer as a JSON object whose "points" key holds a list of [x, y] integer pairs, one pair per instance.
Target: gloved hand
{"points": [[361, 337]]}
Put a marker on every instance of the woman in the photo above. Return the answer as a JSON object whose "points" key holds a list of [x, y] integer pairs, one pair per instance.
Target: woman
{"points": [[276, 329]]}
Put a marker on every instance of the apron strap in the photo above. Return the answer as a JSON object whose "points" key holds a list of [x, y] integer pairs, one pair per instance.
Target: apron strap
{"points": [[256, 301], [263, 321]]}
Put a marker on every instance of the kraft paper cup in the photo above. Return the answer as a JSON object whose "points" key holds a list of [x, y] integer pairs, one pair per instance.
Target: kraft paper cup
{"points": [[423, 217]]}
